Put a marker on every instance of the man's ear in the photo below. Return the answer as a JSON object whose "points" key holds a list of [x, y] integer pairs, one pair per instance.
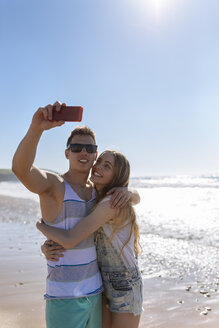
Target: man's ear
{"points": [[67, 153]]}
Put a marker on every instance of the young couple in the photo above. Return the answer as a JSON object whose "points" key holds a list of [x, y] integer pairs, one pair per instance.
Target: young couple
{"points": [[72, 210]]}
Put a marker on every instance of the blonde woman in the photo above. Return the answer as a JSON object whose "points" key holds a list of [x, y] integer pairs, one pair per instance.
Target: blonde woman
{"points": [[117, 242]]}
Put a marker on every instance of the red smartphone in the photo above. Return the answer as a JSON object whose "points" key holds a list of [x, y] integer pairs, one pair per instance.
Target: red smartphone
{"points": [[68, 114]]}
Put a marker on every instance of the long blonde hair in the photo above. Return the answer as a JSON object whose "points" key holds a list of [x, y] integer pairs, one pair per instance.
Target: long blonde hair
{"points": [[126, 214]]}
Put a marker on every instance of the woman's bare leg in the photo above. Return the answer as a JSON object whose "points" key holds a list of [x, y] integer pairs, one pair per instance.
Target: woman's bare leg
{"points": [[124, 320], [106, 314]]}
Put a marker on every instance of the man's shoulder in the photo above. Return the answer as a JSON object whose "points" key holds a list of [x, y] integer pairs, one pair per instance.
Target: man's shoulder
{"points": [[55, 176], [56, 182]]}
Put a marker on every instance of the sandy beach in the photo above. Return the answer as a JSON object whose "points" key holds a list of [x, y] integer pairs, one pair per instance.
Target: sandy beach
{"points": [[22, 277], [168, 303], [179, 261]]}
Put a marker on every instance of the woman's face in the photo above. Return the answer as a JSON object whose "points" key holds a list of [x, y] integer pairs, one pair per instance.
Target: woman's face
{"points": [[103, 170]]}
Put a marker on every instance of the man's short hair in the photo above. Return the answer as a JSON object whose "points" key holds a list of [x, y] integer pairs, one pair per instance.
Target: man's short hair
{"points": [[81, 131]]}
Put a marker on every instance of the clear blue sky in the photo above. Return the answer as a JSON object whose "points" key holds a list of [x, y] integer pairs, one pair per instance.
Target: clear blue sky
{"points": [[145, 71]]}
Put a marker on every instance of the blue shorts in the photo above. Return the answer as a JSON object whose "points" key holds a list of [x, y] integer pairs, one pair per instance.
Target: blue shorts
{"points": [[83, 312]]}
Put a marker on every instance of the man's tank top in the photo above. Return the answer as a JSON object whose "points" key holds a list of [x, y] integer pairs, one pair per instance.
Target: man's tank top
{"points": [[77, 273]]}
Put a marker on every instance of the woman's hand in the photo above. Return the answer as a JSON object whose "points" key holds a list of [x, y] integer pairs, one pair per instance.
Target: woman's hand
{"points": [[120, 197], [52, 250]]}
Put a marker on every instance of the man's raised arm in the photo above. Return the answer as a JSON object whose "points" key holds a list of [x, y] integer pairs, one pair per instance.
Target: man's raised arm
{"points": [[34, 179]]}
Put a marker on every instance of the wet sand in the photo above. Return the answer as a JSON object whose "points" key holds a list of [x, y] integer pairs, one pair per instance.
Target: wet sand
{"points": [[168, 303], [22, 277]]}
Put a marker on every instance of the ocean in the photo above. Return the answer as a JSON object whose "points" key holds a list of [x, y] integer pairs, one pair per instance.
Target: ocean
{"points": [[178, 218]]}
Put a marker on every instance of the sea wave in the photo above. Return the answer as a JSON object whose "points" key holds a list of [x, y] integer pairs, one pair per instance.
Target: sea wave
{"points": [[18, 210], [176, 182], [208, 237], [17, 190]]}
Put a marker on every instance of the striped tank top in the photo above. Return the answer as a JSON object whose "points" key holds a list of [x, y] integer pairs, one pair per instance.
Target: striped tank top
{"points": [[77, 273]]}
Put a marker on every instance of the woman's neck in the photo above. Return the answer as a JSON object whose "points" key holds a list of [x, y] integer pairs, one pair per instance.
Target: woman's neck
{"points": [[99, 190]]}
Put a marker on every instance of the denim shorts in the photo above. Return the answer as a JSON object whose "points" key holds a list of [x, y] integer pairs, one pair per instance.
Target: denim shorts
{"points": [[122, 286], [123, 290]]}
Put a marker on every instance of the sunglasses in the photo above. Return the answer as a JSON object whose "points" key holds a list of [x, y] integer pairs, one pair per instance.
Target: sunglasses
{"points": [[77, 148]]}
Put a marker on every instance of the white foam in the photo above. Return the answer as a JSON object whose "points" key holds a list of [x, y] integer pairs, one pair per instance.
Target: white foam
{"points": [[176, 182], [16, 189]]}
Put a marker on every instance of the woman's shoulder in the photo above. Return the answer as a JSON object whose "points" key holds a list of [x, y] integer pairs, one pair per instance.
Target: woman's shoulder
{"points": [[105, 199]]}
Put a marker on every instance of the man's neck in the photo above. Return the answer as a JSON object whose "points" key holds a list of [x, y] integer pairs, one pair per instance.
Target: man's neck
{"points": [[76, 178]]}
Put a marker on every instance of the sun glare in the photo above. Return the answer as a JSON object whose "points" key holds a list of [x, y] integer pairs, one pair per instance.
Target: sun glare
{"points": [[157, 7]]}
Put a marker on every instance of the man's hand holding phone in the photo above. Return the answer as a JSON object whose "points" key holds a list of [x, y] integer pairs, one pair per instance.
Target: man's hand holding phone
{"points": [[42, 119], [55, 115]]}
